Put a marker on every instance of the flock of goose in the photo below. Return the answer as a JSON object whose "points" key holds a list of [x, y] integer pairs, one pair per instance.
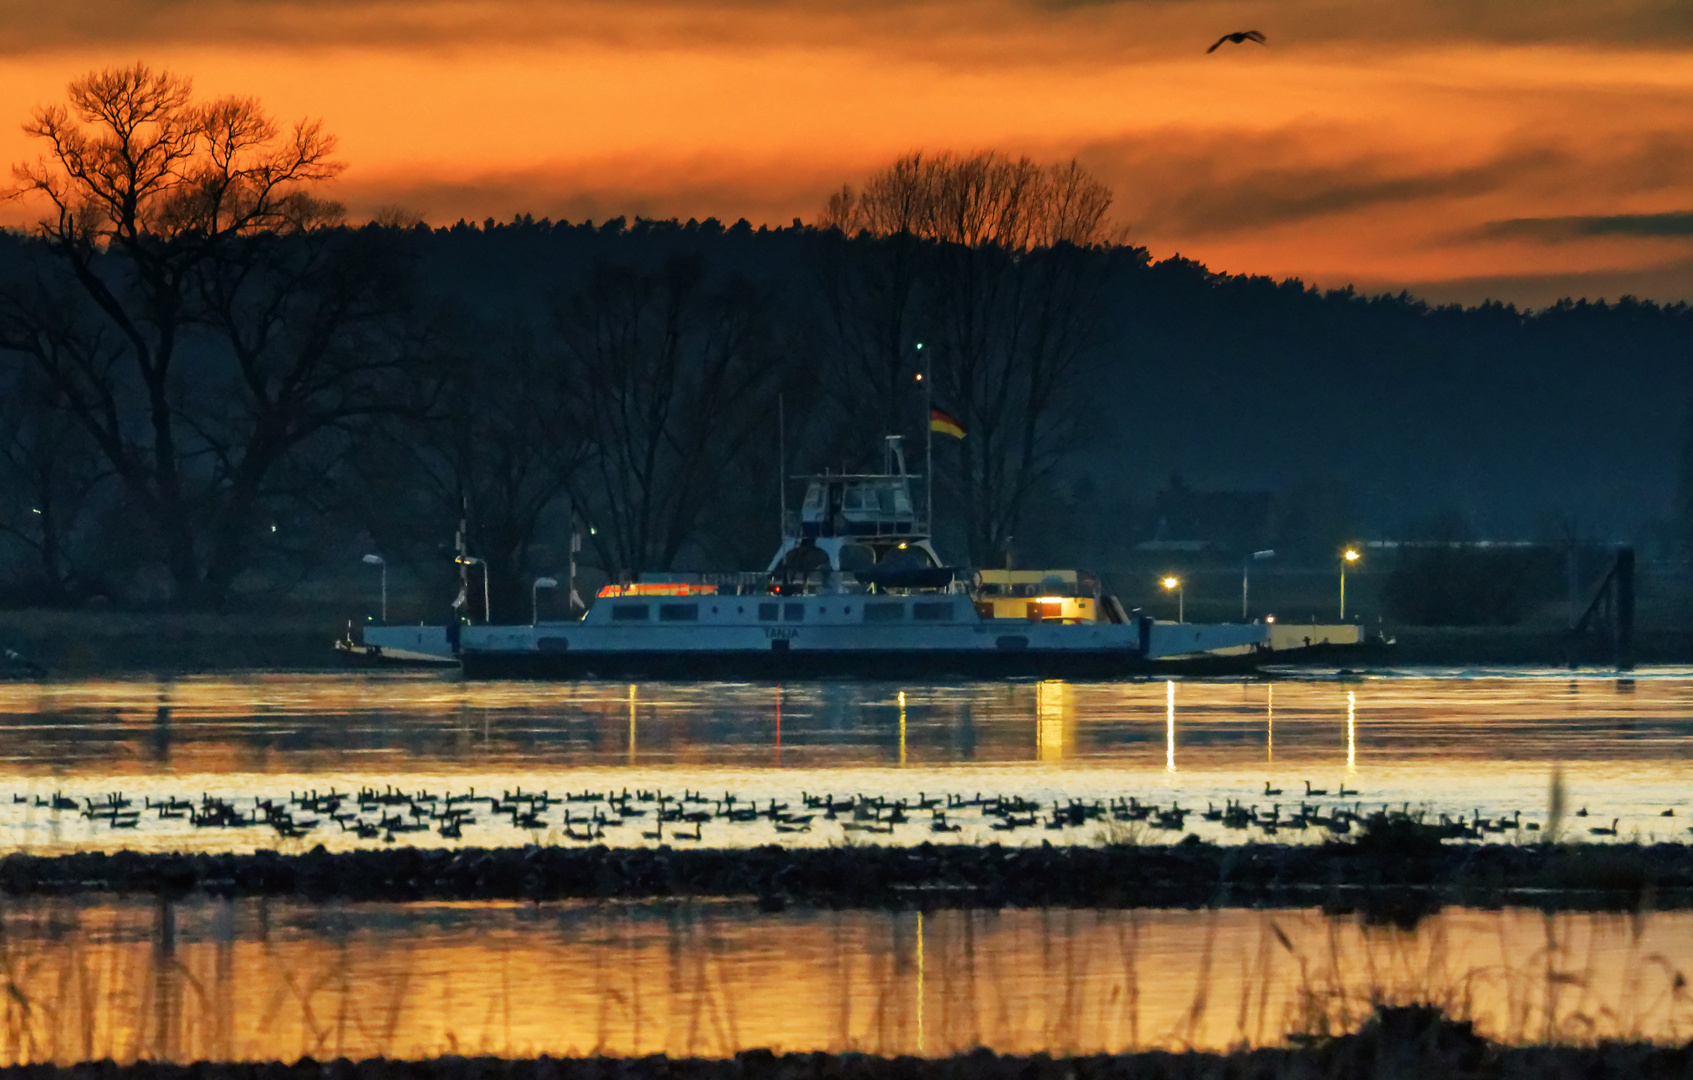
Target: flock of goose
{"points": [[389, 813]]}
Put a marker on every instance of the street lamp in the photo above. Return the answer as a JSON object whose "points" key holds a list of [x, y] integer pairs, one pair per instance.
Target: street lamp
{"points": [[1349, 557], [1173, 582], [471, 560], [535, 595], [1257, 556], [379, 561]]}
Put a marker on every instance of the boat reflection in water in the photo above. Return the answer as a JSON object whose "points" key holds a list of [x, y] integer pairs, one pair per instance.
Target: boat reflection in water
{"points": [[256, 980], [1454, 743]]}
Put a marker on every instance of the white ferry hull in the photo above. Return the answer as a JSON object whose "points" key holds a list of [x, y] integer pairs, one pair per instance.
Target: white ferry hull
{"points": [[973, 649]]}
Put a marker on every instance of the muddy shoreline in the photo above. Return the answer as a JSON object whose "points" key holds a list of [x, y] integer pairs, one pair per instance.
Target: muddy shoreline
{"points": [[1395, 1041], [1388, 878]]}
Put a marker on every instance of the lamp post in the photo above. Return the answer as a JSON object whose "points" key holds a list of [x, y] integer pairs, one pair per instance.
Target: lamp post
{"points": [[1257, 556], [379, 561], [1173, 582], [1347, 558], [535, 597], [471, 560]]}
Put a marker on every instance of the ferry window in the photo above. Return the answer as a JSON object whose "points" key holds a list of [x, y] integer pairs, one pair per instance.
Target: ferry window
{"points": [[793, 612], [767, 612], [678, 612], [938, 611], [884, 612], [628, 612], [851, 500], [885, 497]]}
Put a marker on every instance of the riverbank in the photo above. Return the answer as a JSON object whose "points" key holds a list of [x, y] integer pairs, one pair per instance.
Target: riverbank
{"points": [[1396, 878], [1403, 1041], [1535, 646], [88, 643]]}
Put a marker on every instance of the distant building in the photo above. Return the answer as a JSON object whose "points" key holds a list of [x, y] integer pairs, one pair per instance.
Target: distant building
{"points": [[1212, 522]]}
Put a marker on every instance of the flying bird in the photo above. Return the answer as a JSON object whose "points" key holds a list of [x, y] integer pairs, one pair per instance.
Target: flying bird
{"points": [[1238, 38]]}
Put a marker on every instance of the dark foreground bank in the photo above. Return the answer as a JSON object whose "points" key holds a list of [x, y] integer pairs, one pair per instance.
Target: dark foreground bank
{"points": [[1405, 1042], [1392, 876]]}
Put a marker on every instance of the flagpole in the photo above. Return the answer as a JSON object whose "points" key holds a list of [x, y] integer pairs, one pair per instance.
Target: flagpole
{"points": [[928, 444]]}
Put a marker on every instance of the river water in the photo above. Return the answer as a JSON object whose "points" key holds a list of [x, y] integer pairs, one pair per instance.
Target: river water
{"points": [[95, 977], [1452, 742], [265, 980]]}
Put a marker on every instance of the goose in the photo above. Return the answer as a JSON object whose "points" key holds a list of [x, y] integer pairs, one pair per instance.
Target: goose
{"points": [[1311, 792], [1668, 813], [1344, 791], [1268, 790], [1239, 37], [657, 833], [1600, 830]]}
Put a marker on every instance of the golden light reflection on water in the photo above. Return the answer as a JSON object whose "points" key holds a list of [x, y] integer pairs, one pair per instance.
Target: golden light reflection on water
{"points": [[1455, 744], [257, 980]]}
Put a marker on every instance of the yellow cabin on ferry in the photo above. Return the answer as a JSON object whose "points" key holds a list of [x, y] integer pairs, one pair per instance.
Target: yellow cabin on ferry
{"points": [[1037, 596]]}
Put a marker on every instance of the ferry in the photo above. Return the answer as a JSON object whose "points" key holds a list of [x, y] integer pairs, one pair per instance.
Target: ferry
{"points": [[856, 588]]}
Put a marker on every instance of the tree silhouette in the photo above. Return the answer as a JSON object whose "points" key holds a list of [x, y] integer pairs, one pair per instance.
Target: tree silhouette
{"points": [[1011, 282], [196, 310], [673, 375]]}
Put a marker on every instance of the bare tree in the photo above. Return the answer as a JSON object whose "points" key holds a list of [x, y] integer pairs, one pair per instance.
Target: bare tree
{"points": [[1011, 278], [51, 476], [868, 292], [214, 327], [490, 437], [673, 376]]}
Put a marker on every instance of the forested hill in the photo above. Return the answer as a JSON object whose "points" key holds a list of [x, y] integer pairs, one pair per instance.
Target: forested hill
{"points": [[1518, 422], [630, 374]]}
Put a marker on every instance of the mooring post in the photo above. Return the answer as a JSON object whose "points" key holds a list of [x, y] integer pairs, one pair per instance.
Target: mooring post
{"points": [[1623, 623]]}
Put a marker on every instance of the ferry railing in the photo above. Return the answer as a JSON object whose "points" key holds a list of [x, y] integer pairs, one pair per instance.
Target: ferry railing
{"points": [[903, 527]]}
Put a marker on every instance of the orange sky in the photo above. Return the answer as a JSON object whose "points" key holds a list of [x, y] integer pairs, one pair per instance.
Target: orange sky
{"points": [[1503, 149]]}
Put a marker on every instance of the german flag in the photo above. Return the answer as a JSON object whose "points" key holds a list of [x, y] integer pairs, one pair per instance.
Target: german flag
{"points": [[946, 425]]}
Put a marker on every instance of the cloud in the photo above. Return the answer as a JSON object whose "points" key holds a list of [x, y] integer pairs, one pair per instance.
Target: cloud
{"points": [[1667, 282], [1282, 194], [944, 31], [1673, 223], [1393, 143], [1179, 182], [699, 187]]}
